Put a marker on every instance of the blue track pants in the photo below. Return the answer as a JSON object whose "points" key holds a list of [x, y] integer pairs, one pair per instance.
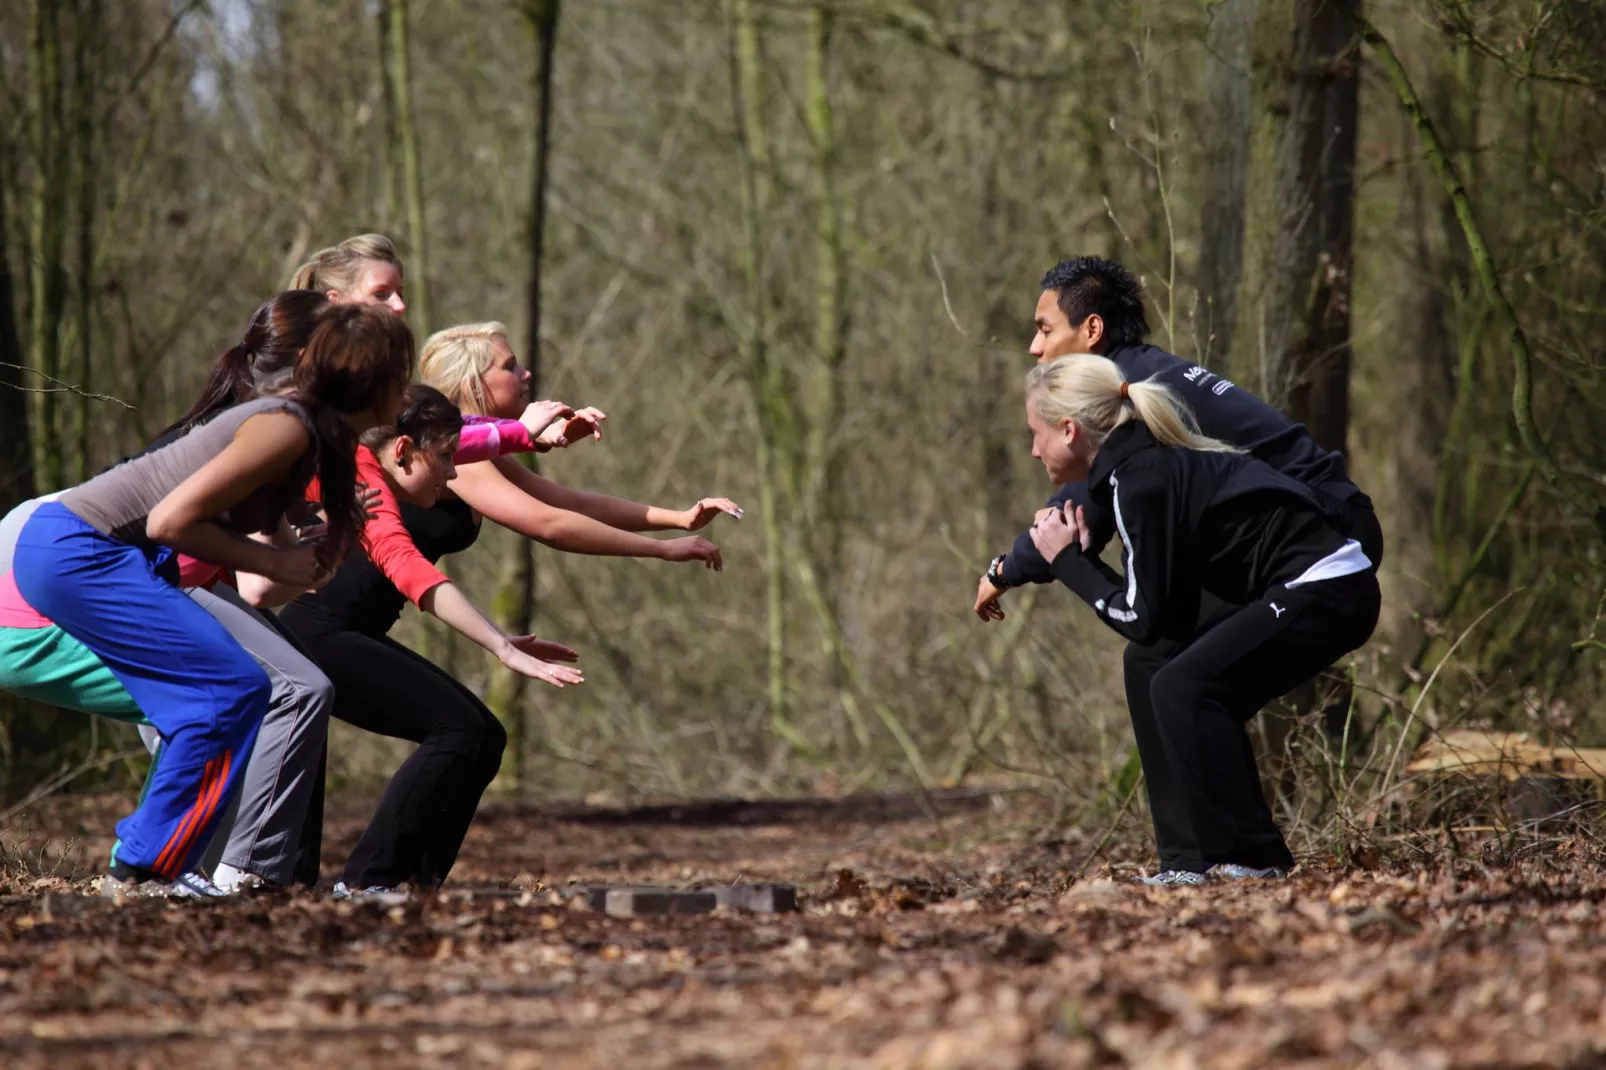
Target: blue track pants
{"points": [[190, 678]]}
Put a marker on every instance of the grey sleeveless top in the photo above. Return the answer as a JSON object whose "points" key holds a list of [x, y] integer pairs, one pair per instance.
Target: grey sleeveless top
{"points": [[118, 501]]}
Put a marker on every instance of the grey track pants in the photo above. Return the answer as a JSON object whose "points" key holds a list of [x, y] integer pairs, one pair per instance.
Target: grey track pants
{"points": [[262, 830]]}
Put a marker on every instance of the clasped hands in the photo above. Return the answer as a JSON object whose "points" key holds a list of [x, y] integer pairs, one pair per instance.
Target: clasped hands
{"points": [[1056, 527], [554, 424]]}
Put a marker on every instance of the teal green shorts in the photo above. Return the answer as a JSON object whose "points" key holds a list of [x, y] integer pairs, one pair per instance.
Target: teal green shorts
{"points": [[48, 665]]}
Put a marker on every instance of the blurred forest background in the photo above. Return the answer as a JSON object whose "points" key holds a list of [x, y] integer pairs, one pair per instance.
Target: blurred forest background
{"points": [[792, 247]]}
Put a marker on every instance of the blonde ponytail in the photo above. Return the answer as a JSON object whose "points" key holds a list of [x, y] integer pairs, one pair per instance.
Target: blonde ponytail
{"points": [[1092, 391], [338, 267]]}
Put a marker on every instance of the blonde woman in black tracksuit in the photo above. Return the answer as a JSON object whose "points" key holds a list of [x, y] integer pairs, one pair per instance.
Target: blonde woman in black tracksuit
{"points": [[1198, 517]]}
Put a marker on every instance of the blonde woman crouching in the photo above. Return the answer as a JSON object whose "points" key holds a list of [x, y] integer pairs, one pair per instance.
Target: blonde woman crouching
{"points": [[1196, 516], [474, 365]]}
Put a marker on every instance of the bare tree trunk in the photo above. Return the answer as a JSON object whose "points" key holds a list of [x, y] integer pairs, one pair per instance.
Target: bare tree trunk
{"points": [[825, 470], [86, 53], [1224, 186], [518, 595], [412, 167], [16, 445], [1309, 313], [47, 290], [997, 371], [390, 130], [766, 382], [30, 736], [1308, 310], [1441, 324]]}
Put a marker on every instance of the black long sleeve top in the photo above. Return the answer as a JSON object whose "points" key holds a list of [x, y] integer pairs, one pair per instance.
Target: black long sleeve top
{"points": [[1223, 411], [1191, 521]]}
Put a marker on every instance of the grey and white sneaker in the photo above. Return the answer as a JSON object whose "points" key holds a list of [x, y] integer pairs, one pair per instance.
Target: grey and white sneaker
{"points": [[1232, 871], [1174, 878], [390, 897]]}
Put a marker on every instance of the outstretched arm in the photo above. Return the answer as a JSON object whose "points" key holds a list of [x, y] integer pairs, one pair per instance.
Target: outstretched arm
{"points": [[523, 654], [487, 488], [616, 512], [544, 425]]}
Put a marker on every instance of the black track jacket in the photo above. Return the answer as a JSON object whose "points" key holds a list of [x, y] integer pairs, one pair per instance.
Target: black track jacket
{"points": [[1191, 521], [1223, 412]]}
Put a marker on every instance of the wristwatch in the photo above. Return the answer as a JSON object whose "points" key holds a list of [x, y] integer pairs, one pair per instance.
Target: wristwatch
{"points": [[995, 573]]}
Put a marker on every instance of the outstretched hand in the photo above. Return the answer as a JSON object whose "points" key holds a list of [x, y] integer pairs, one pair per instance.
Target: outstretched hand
{"points": [[694, 548], [703, 513], [1056, 528], [544, 649], [536, 669], [987, 596]]}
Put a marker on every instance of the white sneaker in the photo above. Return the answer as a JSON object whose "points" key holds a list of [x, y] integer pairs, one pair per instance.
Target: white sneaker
{"points": [[234, 880], [1232, 871], [1174, 878], [389, 897]]}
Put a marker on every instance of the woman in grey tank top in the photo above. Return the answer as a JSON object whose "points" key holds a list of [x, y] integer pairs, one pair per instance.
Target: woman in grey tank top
{"points": [[100, 564]]}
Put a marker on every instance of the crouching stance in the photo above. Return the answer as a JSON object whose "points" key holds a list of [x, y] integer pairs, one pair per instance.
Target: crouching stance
{"points": [[1196, 516], [100, 563]]}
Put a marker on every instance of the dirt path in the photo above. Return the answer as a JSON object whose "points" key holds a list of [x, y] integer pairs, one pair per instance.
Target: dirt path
{"points": [[954, 942]]}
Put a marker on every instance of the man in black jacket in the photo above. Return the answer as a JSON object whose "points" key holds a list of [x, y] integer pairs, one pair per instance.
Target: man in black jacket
{"points": [[1092, 305]]}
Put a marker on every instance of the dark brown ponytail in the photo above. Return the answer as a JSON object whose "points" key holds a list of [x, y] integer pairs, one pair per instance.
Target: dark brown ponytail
{"points": [[359, 358], [261, 361]]}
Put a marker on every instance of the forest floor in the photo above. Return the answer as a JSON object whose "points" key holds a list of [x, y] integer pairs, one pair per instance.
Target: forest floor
{"points": [[965, 939]]}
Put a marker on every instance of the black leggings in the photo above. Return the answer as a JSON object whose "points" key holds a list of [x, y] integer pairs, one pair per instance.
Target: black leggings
{"points": [[425, 813]]}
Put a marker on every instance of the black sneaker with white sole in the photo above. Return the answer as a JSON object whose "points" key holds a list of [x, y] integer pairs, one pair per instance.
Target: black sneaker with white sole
{"points": [[123, 881]]}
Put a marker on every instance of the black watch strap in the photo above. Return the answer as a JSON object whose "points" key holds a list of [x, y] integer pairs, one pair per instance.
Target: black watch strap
{"points": [[995, 573]]}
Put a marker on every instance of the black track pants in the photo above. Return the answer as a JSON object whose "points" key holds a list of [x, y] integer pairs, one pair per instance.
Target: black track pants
{"points": [[1198, 762], [1174, 837], [421, 820]]}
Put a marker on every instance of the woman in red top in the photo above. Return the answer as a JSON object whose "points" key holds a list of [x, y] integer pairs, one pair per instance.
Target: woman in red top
{"points": [[381, 686]]}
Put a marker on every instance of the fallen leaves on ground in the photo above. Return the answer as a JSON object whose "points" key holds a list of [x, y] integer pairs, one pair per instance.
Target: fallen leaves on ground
{"points": [[955, 942]]}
